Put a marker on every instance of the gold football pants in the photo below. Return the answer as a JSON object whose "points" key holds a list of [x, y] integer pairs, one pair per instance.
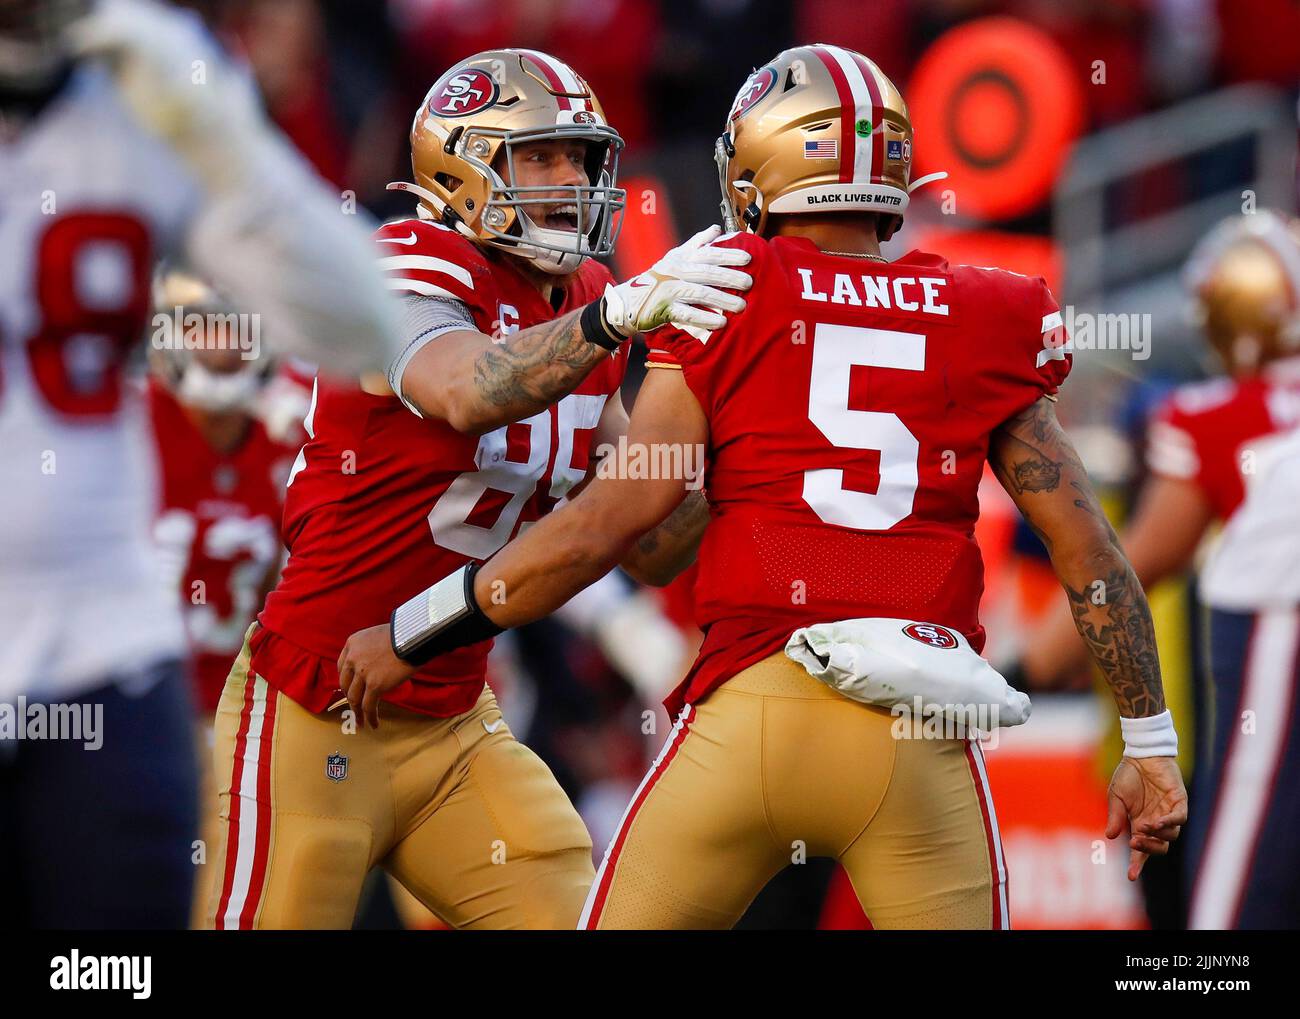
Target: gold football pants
{"points": [[468, 819], [775, 767]]}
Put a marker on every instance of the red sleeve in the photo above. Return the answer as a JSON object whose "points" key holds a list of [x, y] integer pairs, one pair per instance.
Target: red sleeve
{"points": [[1048, 340], [1172, 447], [425, 258], [704, 361], [670, 347], [1197, 433], [1016, 332]]}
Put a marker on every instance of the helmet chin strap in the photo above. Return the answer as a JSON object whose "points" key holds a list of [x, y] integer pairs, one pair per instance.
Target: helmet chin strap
{"points": [[428, 203], [929, 178], [533, 237], [749, 218]]}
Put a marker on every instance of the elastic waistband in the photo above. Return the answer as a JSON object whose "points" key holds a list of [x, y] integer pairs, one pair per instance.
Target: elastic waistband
{"points": [[778, 676]]}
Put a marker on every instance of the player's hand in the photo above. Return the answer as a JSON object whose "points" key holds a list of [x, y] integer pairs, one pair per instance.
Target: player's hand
{"points": [[681, 288], [368, 669], [175, 83], [1147, 798]]}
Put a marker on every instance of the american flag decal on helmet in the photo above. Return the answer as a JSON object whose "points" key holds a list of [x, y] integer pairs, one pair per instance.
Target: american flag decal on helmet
{"points": [[827, 149]]}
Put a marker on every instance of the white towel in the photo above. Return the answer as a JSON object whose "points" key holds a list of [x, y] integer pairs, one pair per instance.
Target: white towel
{"points": [[894, 662]]}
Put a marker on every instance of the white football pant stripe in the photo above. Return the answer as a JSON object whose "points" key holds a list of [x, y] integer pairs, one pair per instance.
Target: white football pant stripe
{"points": [[1249, 771], [246, 849]]}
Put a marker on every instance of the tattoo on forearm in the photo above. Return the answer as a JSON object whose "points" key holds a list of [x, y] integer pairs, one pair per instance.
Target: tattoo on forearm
{"points": [[1113, 617], [538, 365], [1032, 456], [687, 519]]}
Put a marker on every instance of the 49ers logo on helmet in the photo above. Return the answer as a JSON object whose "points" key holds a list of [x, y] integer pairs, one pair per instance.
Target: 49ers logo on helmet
{"points": [[932, 634], [759, 84], [465, 92]]}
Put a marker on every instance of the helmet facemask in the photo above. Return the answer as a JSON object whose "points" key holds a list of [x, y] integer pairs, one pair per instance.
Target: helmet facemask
{"points": [[191, 304], [597, 206]]}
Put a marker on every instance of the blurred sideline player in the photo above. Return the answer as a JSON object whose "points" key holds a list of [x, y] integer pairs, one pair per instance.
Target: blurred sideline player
{"points": [[484, 423], [1206, 439], [218, 526], [1245, 873], [848, 412], [115, 156]]}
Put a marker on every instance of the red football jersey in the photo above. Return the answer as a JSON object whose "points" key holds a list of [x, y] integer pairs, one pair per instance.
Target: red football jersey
{"points": [[1209, 432], [383, 503], [218, 528], [849, 409]]}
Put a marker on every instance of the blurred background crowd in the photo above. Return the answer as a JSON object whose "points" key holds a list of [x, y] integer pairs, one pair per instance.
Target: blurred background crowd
{"points": [[1090, 141]]}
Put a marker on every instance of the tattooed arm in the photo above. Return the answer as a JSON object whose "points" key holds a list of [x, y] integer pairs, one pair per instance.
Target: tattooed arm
{"points": [[1038, 466], [659, 555], [577, 544], [477, 384]]}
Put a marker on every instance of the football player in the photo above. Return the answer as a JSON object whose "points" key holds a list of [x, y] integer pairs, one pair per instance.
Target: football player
{"points": [[847, 412], [125, 137], [484, 423], [222, 488], [1245, 872], [1206, 439]]}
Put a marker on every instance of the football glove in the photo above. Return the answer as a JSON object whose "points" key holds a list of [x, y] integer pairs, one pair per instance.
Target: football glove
{"points": [[682, 288], [179, 86]]}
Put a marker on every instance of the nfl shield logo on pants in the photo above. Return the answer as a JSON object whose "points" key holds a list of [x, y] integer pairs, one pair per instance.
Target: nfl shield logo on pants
{"points": [[336, 767]]}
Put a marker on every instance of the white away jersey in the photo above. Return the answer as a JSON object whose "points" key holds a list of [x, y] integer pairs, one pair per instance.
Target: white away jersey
{"points": [[1256, 561], [87, 203]]}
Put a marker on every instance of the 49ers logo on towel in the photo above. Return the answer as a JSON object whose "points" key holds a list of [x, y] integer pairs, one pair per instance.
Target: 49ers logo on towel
{"points": [[932, 634], [759, 84], [464, 92]]}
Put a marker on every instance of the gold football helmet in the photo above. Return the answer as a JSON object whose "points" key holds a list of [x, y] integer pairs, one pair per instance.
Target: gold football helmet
{"points": [[486, 105], [206, 363], [817, 129], [1244, 278]]}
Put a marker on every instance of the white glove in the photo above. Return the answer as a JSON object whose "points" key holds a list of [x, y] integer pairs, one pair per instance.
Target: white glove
{"points": [[178, 86], [681, 288], [266, 230], [892, 663]]}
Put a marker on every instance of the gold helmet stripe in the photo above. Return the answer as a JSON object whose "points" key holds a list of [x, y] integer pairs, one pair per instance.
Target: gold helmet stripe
{"points": [[859, 99], [562, 79]]}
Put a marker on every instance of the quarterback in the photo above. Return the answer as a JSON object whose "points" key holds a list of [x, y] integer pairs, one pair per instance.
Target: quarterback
{"points": [[482, 425], [848, 411]]}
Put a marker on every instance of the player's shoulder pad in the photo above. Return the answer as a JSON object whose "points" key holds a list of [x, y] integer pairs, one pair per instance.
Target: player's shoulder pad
{"points": [[1025, 302], [758, 247], [1197, 399], [593, 276], [1001, 282], [423, 257]]}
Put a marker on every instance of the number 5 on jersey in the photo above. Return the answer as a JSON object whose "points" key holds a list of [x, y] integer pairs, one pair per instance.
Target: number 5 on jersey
{"points": [[837, 349]]}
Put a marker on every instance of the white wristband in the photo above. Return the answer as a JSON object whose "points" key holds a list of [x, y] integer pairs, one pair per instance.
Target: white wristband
{"points": [[1153, 736]]}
